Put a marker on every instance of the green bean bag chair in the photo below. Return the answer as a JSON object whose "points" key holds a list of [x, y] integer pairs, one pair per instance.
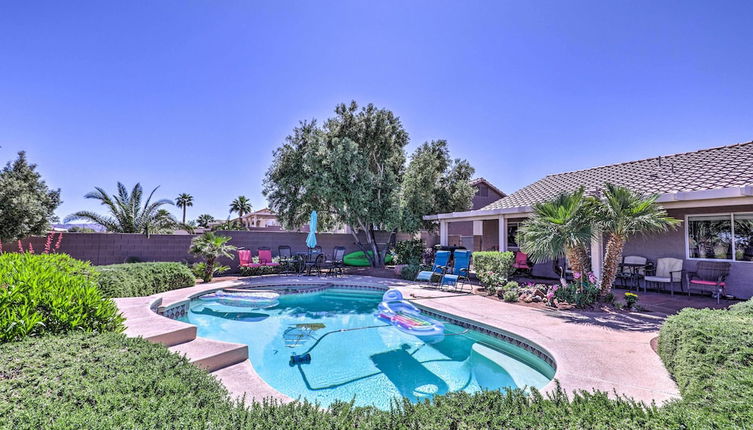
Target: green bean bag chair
{"points": [[359, 259]]}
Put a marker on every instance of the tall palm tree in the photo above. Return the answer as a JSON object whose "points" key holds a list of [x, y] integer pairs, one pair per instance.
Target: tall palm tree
{"points": [[127, 214], [624, 213], [204, 219], [164, 222], [183, 201], [242, 205], [561, 227]]}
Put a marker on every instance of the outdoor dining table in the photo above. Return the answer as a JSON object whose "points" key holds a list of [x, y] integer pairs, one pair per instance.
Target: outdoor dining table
{"points": [[635, 272]]}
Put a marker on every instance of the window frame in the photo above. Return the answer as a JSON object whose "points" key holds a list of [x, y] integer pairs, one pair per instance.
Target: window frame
{"points": [[731, 216], [515, 247]]}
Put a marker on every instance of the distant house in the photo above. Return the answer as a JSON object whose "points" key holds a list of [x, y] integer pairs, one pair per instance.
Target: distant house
{"points": [[710, 190], [263, 218]]}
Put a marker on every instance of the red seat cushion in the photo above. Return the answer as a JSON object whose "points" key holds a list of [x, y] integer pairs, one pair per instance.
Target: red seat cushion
{"points": [[702, 282], [520, 266]]}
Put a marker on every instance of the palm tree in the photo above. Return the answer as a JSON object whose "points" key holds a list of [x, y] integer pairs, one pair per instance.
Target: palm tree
{"points": [[624, 213], [164, 222], [204, 219], [560, 227], [242, 205], [127, 214], [183, 201], [211, 247]]}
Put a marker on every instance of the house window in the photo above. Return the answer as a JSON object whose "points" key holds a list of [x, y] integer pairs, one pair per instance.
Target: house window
{"points": [[512, 232], [720, 237]]}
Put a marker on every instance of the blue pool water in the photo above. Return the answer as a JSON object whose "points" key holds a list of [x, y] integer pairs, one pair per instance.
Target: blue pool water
{"points": [[372, 364]]}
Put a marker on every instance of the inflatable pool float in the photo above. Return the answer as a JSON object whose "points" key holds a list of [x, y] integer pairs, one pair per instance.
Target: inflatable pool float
{"points": [[250, 299], [408, 318], [359, 259]]}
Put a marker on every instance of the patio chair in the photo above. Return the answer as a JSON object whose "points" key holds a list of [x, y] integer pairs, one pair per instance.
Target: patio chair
{"points": [[244, 258], [632, 269], [441, 260], [668, 272], [709, 276], [287, 262], [457, 275], [335, 265], [313, 262], [265, 258], [521, 263]]}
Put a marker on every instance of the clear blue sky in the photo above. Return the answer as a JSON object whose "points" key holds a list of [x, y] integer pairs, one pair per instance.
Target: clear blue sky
{"points": [[195, 95]]}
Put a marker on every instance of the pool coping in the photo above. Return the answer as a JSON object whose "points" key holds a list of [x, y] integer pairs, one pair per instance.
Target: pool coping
{"points": [[572, 353]]}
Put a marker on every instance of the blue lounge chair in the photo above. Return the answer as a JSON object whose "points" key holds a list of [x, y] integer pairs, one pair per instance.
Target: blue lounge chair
{"points": [[441, 258], [458, 274]]}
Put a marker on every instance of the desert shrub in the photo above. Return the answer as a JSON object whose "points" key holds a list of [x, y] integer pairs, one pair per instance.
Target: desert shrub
{"points": [[710, 355], [259, 271], [511, 285], [51, 293], [581, 296], [110, 381], [409, 251], [511, 296], [410, 272], [143, 279]]}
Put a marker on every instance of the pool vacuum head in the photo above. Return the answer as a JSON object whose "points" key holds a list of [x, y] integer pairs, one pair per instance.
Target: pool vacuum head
{"points": [[300, 359]]}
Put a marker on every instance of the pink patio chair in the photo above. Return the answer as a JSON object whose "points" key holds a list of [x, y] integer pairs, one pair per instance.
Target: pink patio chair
{"points": [[521, 262], [265, 258], [244, 258]]}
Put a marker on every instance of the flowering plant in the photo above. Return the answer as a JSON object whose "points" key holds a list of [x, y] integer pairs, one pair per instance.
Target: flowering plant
{"points": [[630, 300]]}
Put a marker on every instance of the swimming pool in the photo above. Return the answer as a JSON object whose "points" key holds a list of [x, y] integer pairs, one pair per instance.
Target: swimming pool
{"points": [[357, 356]]}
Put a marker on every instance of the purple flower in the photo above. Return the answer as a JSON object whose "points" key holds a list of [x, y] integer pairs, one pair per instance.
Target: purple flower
{"points": [[591, 278], [555, 287], [576, 275], [549, 296]]}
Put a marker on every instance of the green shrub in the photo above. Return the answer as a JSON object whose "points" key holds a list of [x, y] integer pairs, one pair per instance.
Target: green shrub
{"points": [[511, 296], [51, 293], [744, 308], [261, 270], [143, 279], [409, 251], [710, 355], [512, 285], [493, 268], [410, 272], [581, 296], [109, 381]]}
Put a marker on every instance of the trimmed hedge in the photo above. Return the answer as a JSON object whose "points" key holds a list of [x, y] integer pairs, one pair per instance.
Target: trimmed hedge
{"points": [[710, 354], [259, 271], [143, 279], [51, 293], [110, 381]]}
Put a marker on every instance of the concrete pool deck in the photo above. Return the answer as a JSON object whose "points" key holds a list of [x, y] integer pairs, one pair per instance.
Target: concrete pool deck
{"points": [[602, 351]]}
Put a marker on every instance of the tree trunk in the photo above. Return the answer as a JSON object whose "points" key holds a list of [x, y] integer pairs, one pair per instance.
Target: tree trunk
{"points": [[184, 215], [574, 260], [612, 258], [378, 259], [209, 269]]}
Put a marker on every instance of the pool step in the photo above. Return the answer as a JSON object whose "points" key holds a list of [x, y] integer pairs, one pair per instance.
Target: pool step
{"points": [[211, 354]]}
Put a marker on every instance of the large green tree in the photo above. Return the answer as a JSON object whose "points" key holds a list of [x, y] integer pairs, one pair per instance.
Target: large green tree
{"points": [[434, 183], [127, 214], [27, 205], [351, 170]]}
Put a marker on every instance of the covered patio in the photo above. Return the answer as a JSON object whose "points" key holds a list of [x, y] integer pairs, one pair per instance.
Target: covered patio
{"points": [[710, 191]]}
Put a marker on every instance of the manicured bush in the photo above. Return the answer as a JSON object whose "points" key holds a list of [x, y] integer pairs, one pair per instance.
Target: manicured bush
{"points": [[109, 381], [581, 296], [143, 279], [259, 271], [744, 308], [409, 251], [51, 293], [510, 296], [493, 268], [410, 272], [710, 355]]}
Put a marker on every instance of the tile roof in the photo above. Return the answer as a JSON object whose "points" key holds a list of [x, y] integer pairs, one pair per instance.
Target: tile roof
{"points": [[712, 168]]}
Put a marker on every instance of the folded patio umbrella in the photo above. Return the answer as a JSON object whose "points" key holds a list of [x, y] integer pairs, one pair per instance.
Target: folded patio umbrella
{"points": [[311, 238]]}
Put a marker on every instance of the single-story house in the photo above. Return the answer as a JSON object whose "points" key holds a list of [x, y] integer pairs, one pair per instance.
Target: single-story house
{"points": [[710, 190]]}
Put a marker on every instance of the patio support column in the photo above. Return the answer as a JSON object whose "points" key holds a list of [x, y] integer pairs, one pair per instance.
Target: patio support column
{"points": [[502, 234], [478, 234], [444, 233], [597, 254]]}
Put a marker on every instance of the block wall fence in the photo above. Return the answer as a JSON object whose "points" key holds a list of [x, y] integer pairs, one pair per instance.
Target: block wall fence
{"points": [[113, 248]]}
